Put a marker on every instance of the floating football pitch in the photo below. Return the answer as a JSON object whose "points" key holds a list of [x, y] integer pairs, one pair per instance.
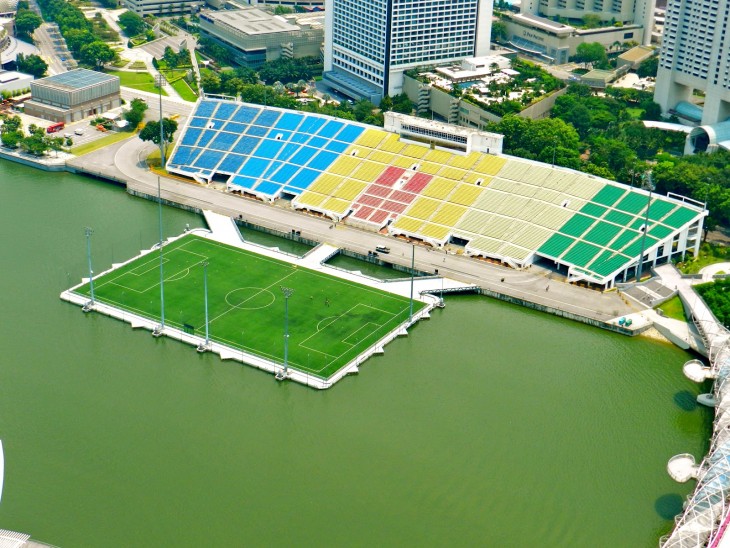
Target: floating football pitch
{"points": [[331, 321]]}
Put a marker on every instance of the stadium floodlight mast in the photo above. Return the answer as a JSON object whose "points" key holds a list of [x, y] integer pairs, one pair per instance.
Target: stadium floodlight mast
{"points": [[90, 305], [413, 271], [205, 346], [159, 82], [159, 329], [648, 185], [287, 292]]}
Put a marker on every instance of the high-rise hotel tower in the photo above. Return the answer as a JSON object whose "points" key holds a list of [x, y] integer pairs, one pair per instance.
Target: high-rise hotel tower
{"points": [[370, 43]]}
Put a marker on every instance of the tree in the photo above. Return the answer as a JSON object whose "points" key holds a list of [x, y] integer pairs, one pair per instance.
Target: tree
{"points": [[131, 23], [648, 68], [591, 52], [170, 57], [136, 111], [210, 82], [26, 22], [32, 64], [35, 144], [11, 139], [151, 131], [499, 31], [402, 104], [591, 21], [97, 54], [78, 38]]}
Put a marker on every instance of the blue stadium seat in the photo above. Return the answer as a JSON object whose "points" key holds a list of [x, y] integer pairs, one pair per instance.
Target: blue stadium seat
{"points": [[246, 145], [303, 156], [235, 127], [226, 110], [257, 131], [284, 174], [267, 118], [300, 138], [206, 137], [304, 178], [246, 114], [244, 182], [289, 121], [288, 151], [273, 167], [337, 146], [224, 141], [232, 163], [350, 133], [311, 124], [317, 142], [322, 160], [205, 108], [182, 155], [198, 122], [269, 148], [208, 159], [191, 136], [331, 129], [254, 167], [268, 188]]}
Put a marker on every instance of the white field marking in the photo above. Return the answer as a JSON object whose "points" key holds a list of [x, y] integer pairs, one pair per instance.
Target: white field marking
{"points": [[378, 325], [268, 288], [365, 288], [175, 277], [126, 288], [156, 260], [260, 290]]}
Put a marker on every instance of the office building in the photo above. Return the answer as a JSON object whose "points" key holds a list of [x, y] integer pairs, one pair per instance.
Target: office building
{"points": [[253, 36], [157, 8], [369, 44]]}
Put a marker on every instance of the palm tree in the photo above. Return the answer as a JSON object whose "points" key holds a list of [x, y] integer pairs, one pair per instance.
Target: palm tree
{"points": [[326, 97]]}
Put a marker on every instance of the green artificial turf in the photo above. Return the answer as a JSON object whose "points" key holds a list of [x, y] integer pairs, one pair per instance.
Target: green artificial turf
{"points": [[331, 320]]}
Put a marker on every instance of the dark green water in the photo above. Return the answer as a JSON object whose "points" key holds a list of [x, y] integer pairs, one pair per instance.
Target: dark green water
{"points": [[489, 425]]}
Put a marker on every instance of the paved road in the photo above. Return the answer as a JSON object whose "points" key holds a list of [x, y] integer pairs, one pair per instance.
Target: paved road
{"points": [[126, 161]]}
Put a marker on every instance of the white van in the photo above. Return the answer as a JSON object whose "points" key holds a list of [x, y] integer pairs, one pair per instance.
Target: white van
{"points": [[79, 131]]}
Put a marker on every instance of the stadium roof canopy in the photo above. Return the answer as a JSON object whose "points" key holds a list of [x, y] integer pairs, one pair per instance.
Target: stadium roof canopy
{"points": [[435, 186]]}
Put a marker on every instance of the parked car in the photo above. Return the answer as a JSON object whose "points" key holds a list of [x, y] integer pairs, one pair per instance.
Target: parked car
{"points": [[382, 249], [79, 131]]}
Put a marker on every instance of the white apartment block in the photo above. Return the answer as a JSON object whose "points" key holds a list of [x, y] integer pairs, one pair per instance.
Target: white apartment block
{"points": [[695, 55], [370, 43]]}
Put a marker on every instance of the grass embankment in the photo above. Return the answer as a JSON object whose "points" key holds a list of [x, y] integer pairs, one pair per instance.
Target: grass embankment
{"points": [[184, 90], [673, 309], [107, 140], [142, 81]]}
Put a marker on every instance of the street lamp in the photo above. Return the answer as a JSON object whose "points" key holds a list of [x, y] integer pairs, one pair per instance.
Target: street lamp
{"points": [[647, 184], [287, 292], [88, 306], [555, 146], [159, 82]]}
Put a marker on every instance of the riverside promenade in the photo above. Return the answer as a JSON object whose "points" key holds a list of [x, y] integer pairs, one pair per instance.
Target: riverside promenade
{"points": [[536, 287]]}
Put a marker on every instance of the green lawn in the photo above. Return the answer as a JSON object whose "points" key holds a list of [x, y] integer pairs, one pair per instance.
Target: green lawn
{"points": [[183, 89], [673, 309], [113, 137], [331, 320], [142, 81]]}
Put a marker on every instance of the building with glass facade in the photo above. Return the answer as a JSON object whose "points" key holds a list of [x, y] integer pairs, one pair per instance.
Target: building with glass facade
{"points": [[368, 45]]}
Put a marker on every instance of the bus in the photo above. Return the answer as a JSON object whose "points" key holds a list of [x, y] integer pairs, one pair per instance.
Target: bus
{"points": [[53, 128]]}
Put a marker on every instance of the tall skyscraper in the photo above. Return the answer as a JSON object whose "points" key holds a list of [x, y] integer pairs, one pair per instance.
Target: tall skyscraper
{"points": [[370, 43], [695, 55]]}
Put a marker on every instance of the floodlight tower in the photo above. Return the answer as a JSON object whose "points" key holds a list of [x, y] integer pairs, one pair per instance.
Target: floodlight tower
{"points": [[287, 291], [205, 346], [413, 271], [90, 305], [649, 185], [159, 82], [158, 330]]}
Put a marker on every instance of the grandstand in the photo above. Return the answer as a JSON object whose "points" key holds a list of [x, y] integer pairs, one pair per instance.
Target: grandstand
{"points": [[440, 185]]}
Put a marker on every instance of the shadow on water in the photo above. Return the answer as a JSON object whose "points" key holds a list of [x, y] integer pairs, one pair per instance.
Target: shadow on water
{"points": [[668, 506], [684, 399]]}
